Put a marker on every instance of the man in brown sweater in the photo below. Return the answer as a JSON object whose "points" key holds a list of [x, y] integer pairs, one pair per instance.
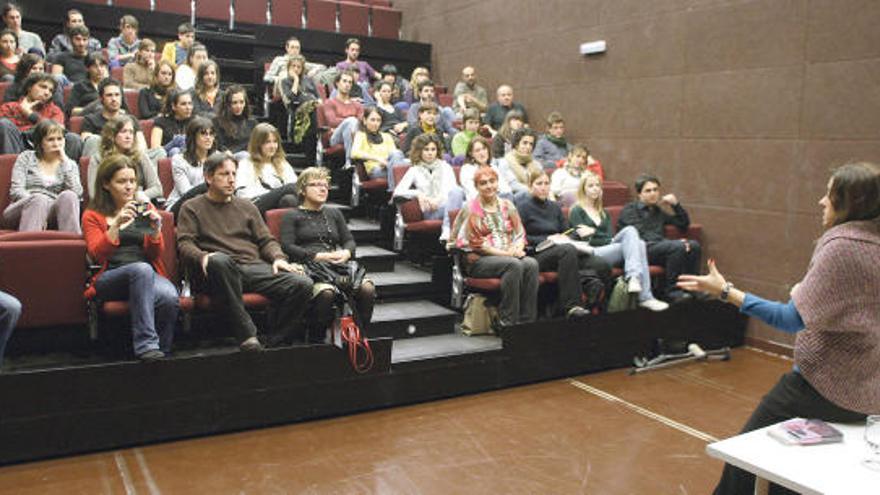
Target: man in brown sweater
{"points": [[227, 239]]}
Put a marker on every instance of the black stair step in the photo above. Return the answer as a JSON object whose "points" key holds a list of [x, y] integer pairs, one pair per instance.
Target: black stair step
{"points": [[376, 259], [405, 282], [442, 346], [366, 231], [409, 319], [345, 209]]}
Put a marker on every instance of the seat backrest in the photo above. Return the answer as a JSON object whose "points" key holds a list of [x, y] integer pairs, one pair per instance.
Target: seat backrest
{"points": [[131, 101], [251, 12], [182, 7], [6, 163], [133, 4], [66, 92], [614, 193], [614, 211], [287, 13], [84, 177], [385, 22], [169, 241], [321, 15], [213, 9], [75, 124], [165, 176], [354, 18], [146, 128], [3, 87], [273, 220]]}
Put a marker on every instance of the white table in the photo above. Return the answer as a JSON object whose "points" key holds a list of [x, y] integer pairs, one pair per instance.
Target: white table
{"points": [[831, 469]]}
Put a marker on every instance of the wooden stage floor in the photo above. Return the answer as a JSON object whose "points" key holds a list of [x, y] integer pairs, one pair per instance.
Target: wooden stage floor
{"points": [[604, 433]]}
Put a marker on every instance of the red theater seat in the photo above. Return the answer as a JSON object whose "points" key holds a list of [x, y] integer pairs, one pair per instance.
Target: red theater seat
{"points": [[217, 10], [409, 219], [287, 13], [74, 125], [354, 18], [321, 15], [165, 176], [131, 101], [331, 153], [182, 7], [385, 22], [133, 4], [6, 164], [251, 11], [3, 87]]}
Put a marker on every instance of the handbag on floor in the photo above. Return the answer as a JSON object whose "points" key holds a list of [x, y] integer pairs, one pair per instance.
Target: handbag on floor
{"points": [[478, 316], [621, 298]]}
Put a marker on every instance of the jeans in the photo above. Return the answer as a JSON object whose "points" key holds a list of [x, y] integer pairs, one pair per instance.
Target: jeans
{"points": [[344, 134], [563, 259], [34, 212], [152, 300], [394, 159], [227, 281], [453, 202], [791, 397], [627, 247], [677, 256], [519, 285], [10, 310]]}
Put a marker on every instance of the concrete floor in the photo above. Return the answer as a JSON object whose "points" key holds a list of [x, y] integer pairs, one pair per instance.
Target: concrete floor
{"points": [[605, 433]]}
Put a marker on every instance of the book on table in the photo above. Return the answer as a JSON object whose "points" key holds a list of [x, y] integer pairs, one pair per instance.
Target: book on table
{"points": [[800, 431]]}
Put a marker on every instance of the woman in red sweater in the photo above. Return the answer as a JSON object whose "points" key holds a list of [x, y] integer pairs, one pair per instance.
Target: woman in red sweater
{"points": [[125, 238]]}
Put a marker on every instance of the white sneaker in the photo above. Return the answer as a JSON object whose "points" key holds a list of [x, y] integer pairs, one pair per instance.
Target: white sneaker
{"points": [[653, 304], [634, 286]]}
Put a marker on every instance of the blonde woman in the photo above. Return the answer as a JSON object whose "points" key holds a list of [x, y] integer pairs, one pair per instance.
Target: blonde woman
{"points": [[593, 223], [264, 176]]}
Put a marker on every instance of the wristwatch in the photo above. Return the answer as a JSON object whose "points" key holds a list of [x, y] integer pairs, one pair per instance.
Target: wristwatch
{"points": [[725, 291]]}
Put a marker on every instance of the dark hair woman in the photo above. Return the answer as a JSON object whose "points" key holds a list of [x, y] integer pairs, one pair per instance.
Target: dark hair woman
{"points": [[169, 129], [125, 237], [186, 167], [151, 100], [834, 310], [233, 122]]}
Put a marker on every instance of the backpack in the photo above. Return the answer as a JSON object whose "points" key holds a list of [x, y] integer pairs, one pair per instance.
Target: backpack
{"points": [[621, 298], [593, 290], [478, 316]]}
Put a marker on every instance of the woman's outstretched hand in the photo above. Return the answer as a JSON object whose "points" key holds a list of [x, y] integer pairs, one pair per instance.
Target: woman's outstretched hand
{"points": [[711, 283]]}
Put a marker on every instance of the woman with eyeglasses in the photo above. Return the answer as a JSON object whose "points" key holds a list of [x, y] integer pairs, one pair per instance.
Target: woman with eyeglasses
{"points": [[186, 167], [315, 233]]}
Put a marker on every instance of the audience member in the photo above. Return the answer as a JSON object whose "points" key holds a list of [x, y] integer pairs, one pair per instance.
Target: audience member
{"points": [[552, 146], [427, 124], [296, 88], [110, 92], [230, 250], [17, 118], [491, 233], [593, 223], [64, 41], [8, 55], [376, 148], [566, 180], [833, 310], [10, 311], [208, 95], [124, 236], [187, 167], [478, 155], [122, 49], [366, 73], [151, 100], [139, 74], [419, 75], [343, 115], [233, 122], [393, 120], [27, 41], [504, 103], [264, 175], [72, 63], [119, 137], [30, 64], [176, 52], [518, 163], [399, 85], [185, 74], [431, 181], [84, 94], [279, 66], [45, 188], [543, 220], [446, 116], [169, 129], [316, 233], [649, 214], [468, 94], [462, 139], [501, 141]]}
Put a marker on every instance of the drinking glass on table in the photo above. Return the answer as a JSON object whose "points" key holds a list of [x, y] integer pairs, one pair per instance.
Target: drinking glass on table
{"points": [[872, 436]]}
